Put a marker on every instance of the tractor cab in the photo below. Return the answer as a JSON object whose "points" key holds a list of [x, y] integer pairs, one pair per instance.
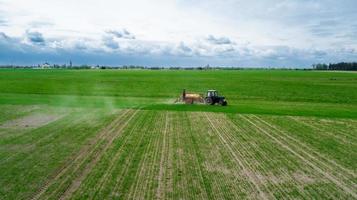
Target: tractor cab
{"points": [[212, 93], [213, 98]]}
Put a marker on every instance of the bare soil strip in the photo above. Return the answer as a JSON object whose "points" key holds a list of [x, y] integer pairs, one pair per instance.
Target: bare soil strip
{"points": [[77, 182], [286, 144], [34, 141], [81, 155], [31, 121], [342, 171], [252, 177]]}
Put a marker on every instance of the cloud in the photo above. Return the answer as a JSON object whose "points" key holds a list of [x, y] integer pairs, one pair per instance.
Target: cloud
{"points": [[218, 40], [3, 36], [40, 24], [110, 42], [121, 34], [233, 32], [3, 22], [35, 37]]}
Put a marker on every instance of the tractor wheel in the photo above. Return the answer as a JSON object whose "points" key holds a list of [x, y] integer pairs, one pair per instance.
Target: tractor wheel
{"points": [[223, 103], [209, 101]]}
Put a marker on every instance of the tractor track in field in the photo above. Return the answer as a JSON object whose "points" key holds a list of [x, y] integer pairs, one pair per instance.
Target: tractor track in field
{"points": [[182, 182], [318, 156], [235, 174], [105, 177], [191, 167], [34, 143], [285, 145], [302, 151], [344, 130], [177, 183], [77, 182], [206, 194], [68, 164], [169, 178], [284, 174], [184, 129], [121, 177], [245, 152], [315, 128], [228, 127], [252, 177], [142, 166], [215, 155], [156, 160], [160, 192], [88, 151], [142, 189], [180, 165]]}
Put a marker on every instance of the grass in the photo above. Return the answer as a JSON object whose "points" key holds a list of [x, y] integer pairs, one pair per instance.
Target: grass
{"points": [[285, 134], [248, 91]]}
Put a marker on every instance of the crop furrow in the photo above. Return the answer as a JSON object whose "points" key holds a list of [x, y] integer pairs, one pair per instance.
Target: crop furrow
{"points": [[142, 165], [121, 181], [69, 164], [105, 175], [340, 137], [270, 156], [160, 191], [285, 144], [230, 178], [246, 150], [320, 159], [84, 156], [252, 177], [149, 177], [83, 173]]}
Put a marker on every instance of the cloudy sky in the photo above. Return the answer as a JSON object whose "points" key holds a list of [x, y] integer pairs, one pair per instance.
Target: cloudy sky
{"points": [[254, 33]]}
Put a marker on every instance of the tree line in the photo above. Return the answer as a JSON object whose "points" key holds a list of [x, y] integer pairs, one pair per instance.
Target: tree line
{"points": [[343, 66]]}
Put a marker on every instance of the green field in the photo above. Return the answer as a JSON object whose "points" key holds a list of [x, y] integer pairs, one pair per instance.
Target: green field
{"points": [[116, 134]]}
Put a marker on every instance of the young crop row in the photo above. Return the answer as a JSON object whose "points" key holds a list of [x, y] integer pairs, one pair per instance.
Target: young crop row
{"points": [[338, 180], [197, 155], [30, 155], [69, 177]]}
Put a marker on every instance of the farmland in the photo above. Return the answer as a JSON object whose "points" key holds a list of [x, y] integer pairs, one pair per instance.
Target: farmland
{"points": [[68, 134]]}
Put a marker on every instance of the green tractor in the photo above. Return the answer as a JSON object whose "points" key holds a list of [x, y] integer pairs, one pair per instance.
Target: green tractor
{"points": [[213, 98]]}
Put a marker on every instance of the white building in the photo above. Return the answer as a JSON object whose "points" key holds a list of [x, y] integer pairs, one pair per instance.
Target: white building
{"points": [[45, 65]]}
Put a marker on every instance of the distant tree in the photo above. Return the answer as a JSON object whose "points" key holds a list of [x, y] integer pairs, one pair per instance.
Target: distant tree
{"points": [[343, 66]]}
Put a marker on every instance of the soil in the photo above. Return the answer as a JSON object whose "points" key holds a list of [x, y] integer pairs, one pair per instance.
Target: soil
{"points": [[30, 121]]}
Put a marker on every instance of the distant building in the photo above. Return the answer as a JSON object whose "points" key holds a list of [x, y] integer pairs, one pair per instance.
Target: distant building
{"points": [[45, 65]]}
